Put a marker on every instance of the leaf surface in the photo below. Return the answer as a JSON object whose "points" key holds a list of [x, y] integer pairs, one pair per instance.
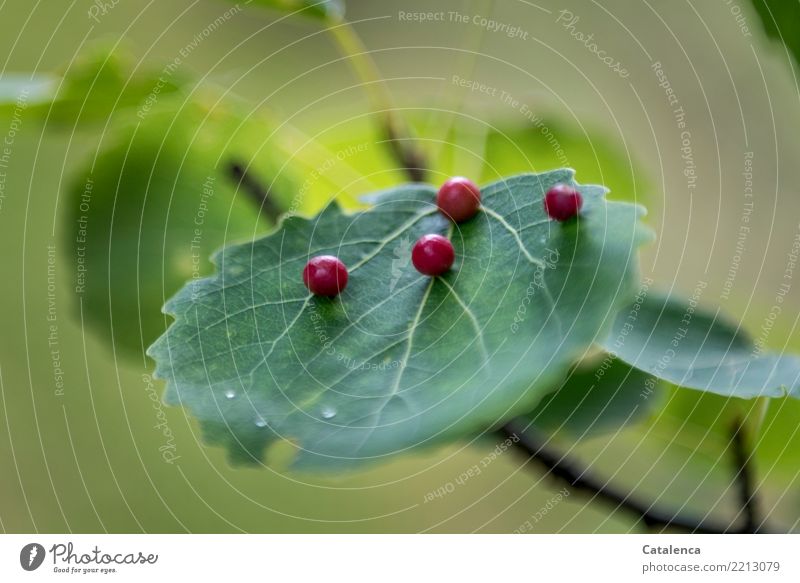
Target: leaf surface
{"points": [[157, 200], [676, 340], [600, 398], [398, 360]]}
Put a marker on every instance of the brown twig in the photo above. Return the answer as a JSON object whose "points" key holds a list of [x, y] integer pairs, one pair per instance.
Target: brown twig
{"points": [[535, 447], [251, 186], [398, 136]]}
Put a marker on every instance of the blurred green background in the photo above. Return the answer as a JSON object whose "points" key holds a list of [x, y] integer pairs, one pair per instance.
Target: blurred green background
{"points": [[87, 458]]}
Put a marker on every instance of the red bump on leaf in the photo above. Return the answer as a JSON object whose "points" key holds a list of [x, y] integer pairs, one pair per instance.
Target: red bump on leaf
{"points": [[459, 199], [433, 255], [325, 275], [562, 202]]}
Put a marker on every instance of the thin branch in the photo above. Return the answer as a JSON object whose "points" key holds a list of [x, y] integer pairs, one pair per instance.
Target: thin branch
{"points": [[410, 158], [534, 445], [744, 478], [252, 187], [395, 131]]}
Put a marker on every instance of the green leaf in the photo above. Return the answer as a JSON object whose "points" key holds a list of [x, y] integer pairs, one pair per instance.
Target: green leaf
{"points": [[677, 341], [325, 9], [781, 20], [600, 398], [100, 83], [157, 201], [675, 458], [398, 360]]}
